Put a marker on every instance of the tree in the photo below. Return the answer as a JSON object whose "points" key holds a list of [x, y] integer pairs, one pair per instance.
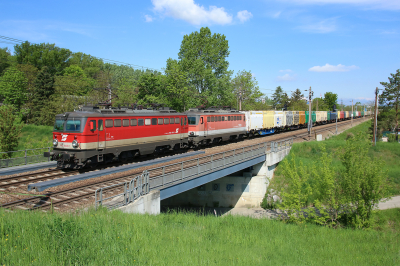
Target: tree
{"points": [[202, 56], [330, 99], [297, 96], [5, 59], [9, 130], [89, 64], [74, 81], [151, 87], [390, 96], [279, 98], [41, 55], [246, 90], [180, 93], [13, 87], [44, 88]]}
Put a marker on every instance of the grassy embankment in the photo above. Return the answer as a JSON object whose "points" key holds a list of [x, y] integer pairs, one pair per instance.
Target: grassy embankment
{"points": [[308, 152], [114, 238], [32, 137]]}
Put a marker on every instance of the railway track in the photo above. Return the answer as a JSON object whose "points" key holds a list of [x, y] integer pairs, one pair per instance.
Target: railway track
{"points": [[19, 180], [84, 193]]}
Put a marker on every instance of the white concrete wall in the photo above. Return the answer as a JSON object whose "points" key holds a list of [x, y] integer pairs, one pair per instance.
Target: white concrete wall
{"points": [[149, 203]]}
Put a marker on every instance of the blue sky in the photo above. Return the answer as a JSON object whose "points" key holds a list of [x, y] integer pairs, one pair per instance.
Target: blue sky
{"points": [[343, 46]]}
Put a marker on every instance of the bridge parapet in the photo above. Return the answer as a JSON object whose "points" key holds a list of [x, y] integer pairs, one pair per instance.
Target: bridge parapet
{"points": [[172, 178]]}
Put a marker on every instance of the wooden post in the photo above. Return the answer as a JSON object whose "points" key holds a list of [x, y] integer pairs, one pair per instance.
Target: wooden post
{"points": [[376, 116]]}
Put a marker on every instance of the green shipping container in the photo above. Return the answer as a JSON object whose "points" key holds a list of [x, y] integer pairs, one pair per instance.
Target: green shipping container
{"points": [[328, 116], [313, 117], [354, 114], [362, 113]]}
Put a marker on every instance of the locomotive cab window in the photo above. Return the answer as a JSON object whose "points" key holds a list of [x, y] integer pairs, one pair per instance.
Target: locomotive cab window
{"points": [[100, 125], [73, 125], [109, 123], [133, 122], [59, 125], [185, 121], [125, 122], [192, 120]]}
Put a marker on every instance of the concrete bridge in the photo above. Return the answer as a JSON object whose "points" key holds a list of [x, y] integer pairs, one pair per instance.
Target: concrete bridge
{"points": [[234, 178]]}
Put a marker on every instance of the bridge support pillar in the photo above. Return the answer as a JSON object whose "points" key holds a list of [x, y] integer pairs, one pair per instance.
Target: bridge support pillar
{"points": [[149, 203]]}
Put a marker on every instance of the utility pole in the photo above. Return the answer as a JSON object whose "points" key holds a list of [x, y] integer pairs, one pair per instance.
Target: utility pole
{"points": [[317, 105], [376, 116], [341, 104], [352, 112], [109, 92], [309, 114]]}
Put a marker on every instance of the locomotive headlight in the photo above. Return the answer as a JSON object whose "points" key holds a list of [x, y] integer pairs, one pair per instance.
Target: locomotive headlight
{"points": [[55, 142], [75, 144]]}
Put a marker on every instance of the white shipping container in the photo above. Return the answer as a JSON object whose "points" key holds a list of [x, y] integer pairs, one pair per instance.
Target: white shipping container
{"points": [[278, 119]]}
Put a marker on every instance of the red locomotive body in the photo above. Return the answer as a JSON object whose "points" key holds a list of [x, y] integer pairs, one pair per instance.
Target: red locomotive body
{"points": [[215, 125], [91, 136]]}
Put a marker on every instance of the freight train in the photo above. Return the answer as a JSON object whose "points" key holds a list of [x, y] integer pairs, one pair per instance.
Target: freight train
{"points": [[92, 136]]}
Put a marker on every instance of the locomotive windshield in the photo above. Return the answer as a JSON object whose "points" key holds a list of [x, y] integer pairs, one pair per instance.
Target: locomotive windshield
{"points": [[192, 120], [59, 125], [73, 125]]}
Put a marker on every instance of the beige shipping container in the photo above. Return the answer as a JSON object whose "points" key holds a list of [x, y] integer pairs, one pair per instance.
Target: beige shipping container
{"points": [[318, 116], [268, 119]]}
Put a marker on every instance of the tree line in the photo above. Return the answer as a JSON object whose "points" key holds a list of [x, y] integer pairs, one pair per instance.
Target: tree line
{"points": [[42, 80]]}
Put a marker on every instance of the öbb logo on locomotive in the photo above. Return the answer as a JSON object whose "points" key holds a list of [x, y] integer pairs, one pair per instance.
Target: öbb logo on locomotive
{"points": [[137, 132]]}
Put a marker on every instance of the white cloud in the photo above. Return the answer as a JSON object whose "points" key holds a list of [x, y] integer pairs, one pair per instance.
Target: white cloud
{"points": [[285, 77], [330, 68], [377, 4], [285, 70], [148, 18], [191, 12], [244, 15], [277, 14], [323, 26]]}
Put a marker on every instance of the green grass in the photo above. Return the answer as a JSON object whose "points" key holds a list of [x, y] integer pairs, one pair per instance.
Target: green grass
{"points": [[387, 220], [35, 137], [308, 152], [114, 238]]}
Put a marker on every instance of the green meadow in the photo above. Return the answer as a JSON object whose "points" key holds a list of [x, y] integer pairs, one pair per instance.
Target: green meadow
{"points": [[114, 238]]}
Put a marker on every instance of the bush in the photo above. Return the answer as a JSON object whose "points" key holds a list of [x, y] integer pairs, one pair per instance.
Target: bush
{"points": [[334, 195]]}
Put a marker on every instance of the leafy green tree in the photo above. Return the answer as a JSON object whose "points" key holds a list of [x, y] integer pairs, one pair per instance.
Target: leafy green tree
{"points": [[44, 89], [178, 89], [279, 98], [89, 64], [203, 56], [5, 59], [390, 96], [151, 87], [245, 88], [74, 81], [41, 55], [13, 87], [10, 128], [330, 99]]}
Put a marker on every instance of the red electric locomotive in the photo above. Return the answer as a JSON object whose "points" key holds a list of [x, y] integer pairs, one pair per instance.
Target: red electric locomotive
{"points": [[215, 125], [90, 135]]}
